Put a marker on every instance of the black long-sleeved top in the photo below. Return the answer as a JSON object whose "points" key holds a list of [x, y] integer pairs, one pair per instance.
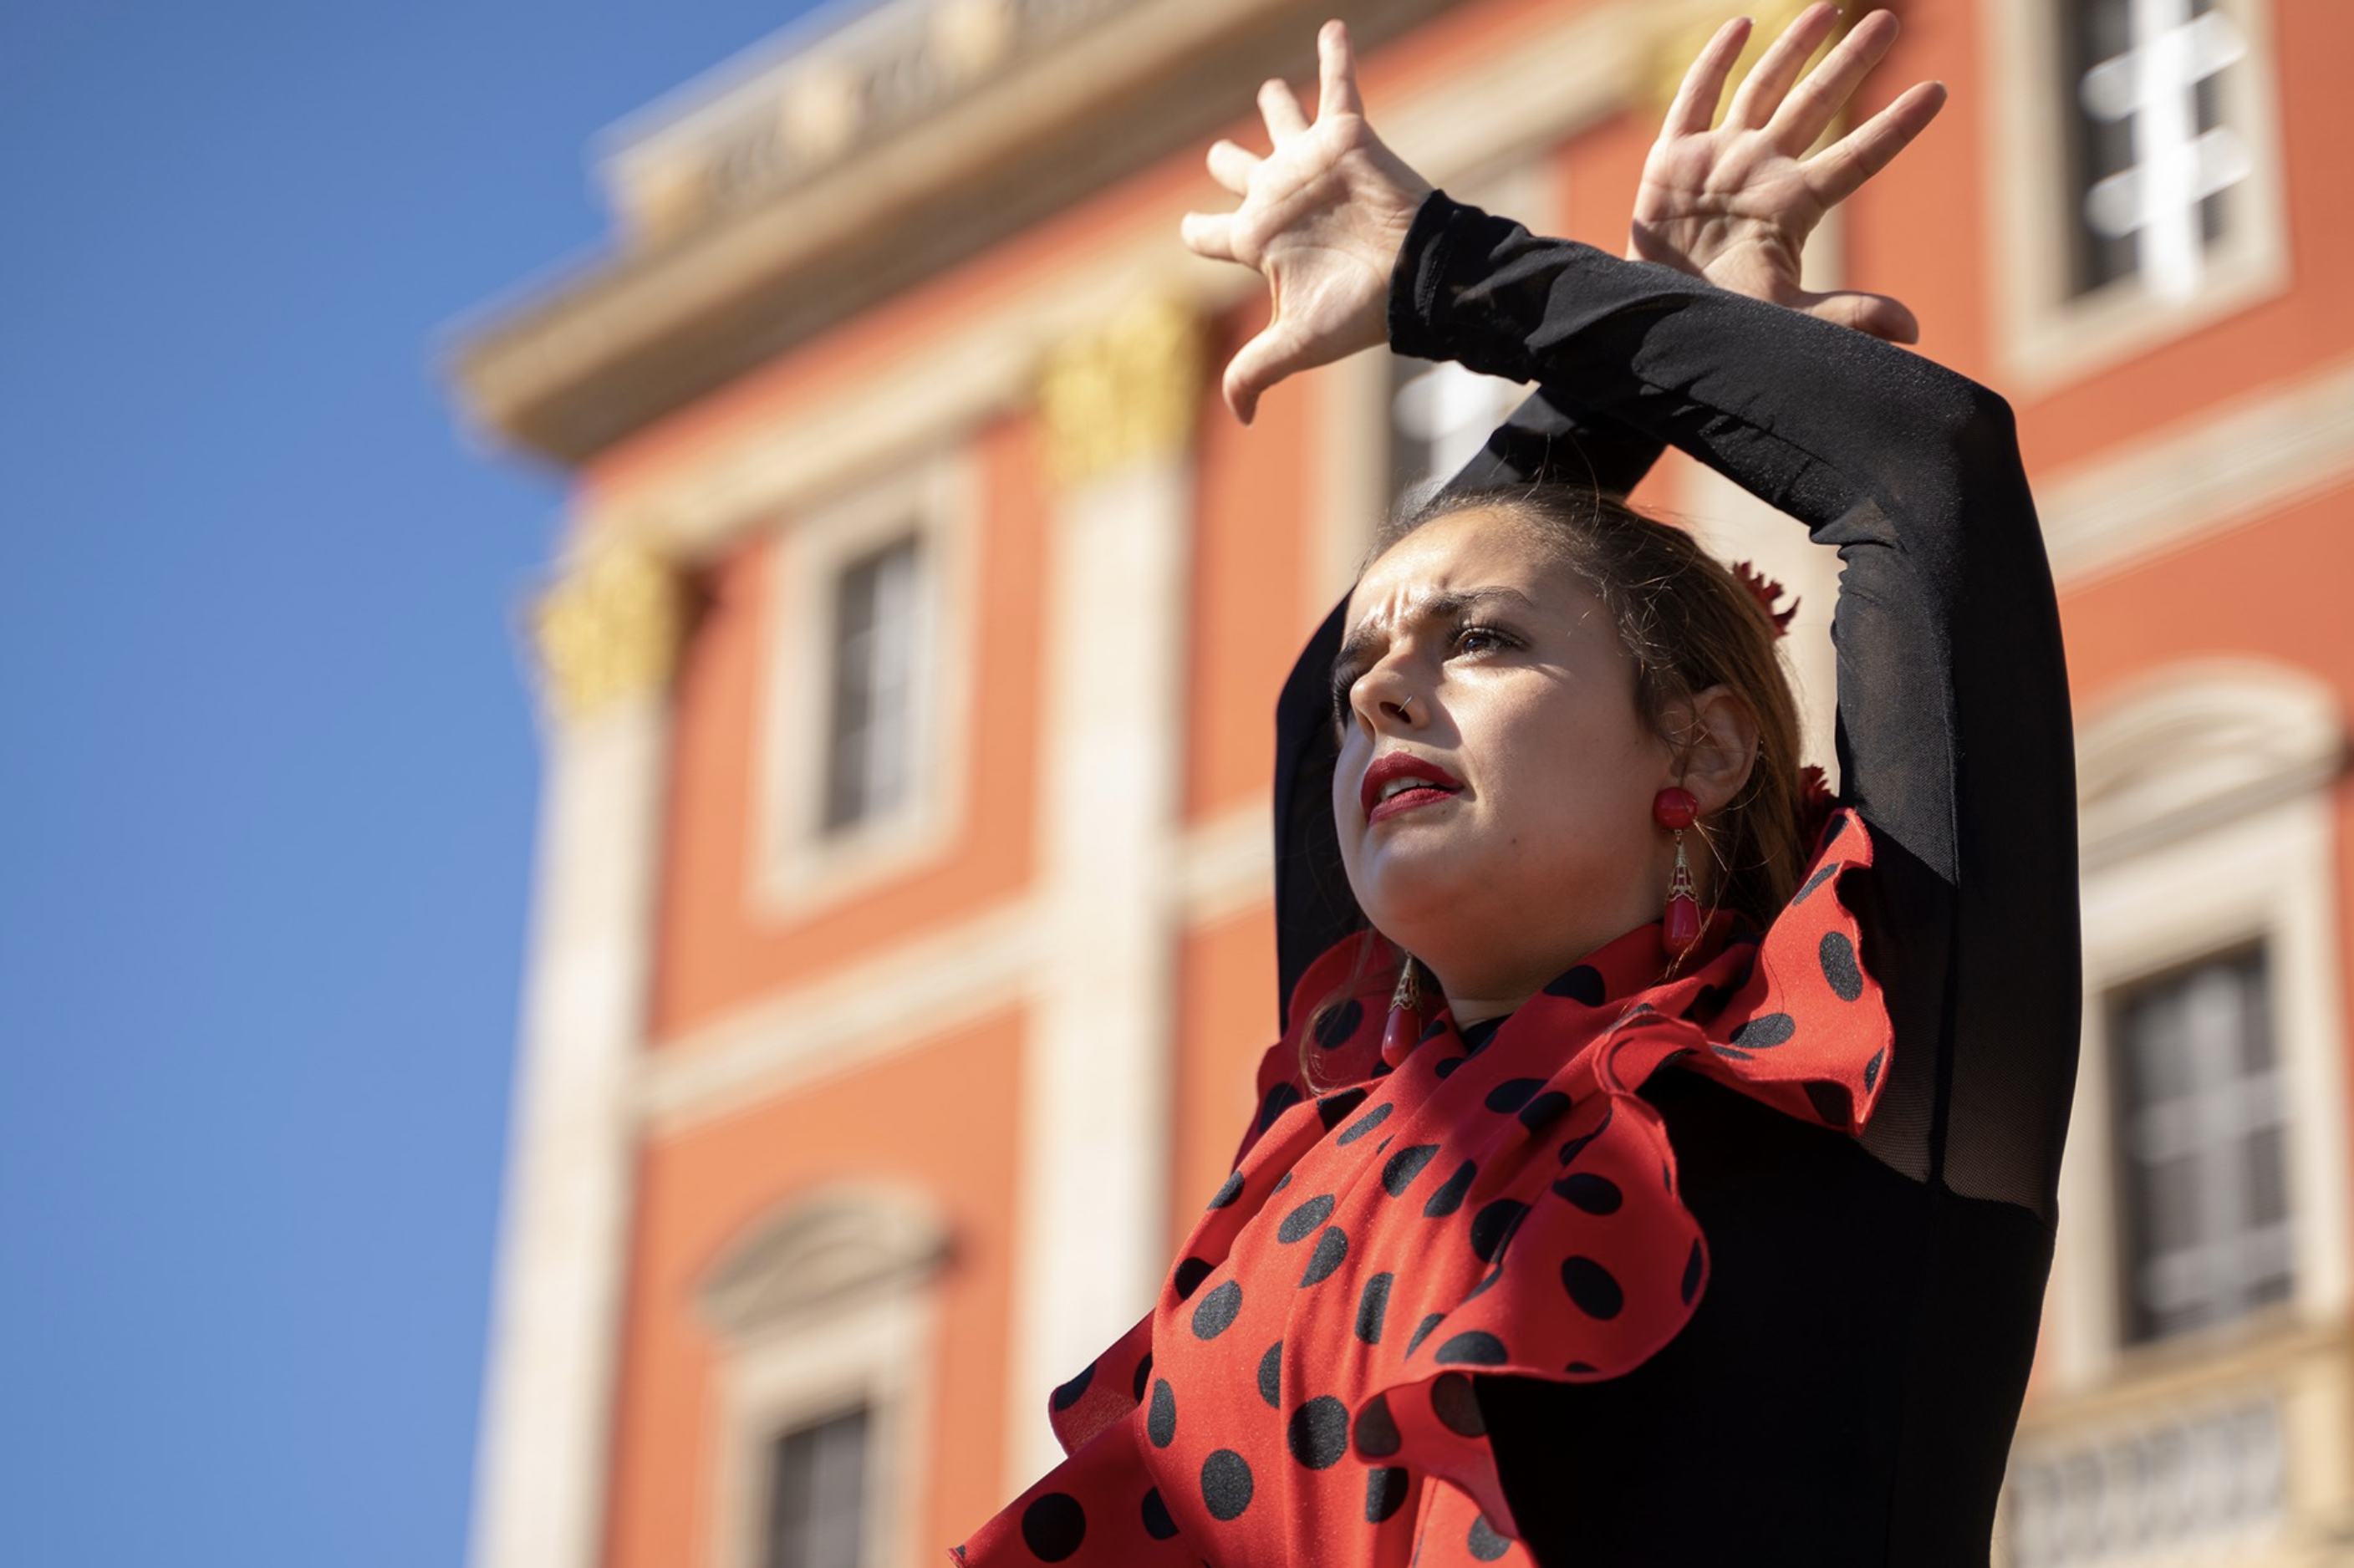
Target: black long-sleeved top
{"points": [[1847, 1391]]}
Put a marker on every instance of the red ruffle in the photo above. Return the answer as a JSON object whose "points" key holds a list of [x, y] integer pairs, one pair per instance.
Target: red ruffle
{"points": [[1301, 1392]]}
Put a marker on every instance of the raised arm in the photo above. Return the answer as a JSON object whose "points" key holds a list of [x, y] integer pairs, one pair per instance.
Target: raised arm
{"points": [[1954, 735]]}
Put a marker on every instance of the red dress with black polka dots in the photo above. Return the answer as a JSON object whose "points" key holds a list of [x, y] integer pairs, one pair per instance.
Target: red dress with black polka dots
{"points": [[1301, 1392]]}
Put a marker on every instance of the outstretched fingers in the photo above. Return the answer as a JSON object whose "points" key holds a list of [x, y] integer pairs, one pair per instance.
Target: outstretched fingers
{"points": [[1840, 169], [1336, 68], [1761, 95], [1232, 166], [1694, 109], [1819, 100], [1280, 109], [1209, 234]]}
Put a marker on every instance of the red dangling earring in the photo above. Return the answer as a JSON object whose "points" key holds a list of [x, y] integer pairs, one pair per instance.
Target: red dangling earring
{"points": [[1403, 1031], [1676, 809]]}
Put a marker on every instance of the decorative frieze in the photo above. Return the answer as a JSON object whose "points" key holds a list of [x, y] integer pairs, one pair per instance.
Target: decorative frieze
{"points": [[1124, 396]]}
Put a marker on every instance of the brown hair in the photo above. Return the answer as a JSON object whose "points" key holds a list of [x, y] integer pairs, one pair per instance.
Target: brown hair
{"points": [[1689, 624]]}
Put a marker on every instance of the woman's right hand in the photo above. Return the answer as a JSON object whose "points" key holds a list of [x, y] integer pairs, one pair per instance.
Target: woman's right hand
{"points": [[1322, 218]]}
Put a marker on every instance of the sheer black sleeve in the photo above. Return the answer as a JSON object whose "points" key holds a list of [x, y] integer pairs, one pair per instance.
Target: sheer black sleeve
{"points": [[1954, 737]]}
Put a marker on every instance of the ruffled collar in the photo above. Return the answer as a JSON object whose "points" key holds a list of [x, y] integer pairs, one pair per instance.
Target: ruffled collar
{"points": [[1300, 1391]]}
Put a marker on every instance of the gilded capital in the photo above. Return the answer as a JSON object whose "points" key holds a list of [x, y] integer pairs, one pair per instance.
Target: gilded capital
{"points": [[608, 632], [1125, 395]]}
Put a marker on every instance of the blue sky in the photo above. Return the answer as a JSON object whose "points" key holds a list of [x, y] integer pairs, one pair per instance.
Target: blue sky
{"points": [[268, 763]]}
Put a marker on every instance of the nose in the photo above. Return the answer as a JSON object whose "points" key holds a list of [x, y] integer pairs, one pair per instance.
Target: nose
{"points": [[1385, 700]]}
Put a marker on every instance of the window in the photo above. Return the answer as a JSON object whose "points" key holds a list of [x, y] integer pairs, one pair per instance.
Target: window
{"points": [[868, 688], [2135, 177], [1439, 416], [817, 1494], [2152, 162], [2203, 1216], [821, 1321], [876, 634]]}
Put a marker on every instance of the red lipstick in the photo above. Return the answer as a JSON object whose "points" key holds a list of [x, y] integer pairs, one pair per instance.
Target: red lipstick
{"points": [[1400, 781]]}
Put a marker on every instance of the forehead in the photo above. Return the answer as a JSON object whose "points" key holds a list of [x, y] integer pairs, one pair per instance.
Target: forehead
{"points": [[1483, 548]]}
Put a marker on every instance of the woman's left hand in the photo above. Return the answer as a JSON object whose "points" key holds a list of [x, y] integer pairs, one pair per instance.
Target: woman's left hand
{"points": [[1734, 202], [1322, 218]]}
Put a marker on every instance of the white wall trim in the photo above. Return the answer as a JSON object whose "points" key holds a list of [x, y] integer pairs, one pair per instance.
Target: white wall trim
{"points": [[2221, 469], [845, 1021]]}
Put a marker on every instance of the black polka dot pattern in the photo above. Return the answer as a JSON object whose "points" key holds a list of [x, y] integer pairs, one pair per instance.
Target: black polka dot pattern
{"points": [[1364, 1124], [1161, 1416], [1144, 1377], [1334, 1026], [1593, 1288], [1334, 1109], [1422, 1332], [1385, 1493], [1279, 1099], [1872, 1069], [1476, 1349], [1069, 1394], [1456, 1406], [1190, 1274], [1332, 1251], [1449, 1198], [1596, 1194], [1229, 1193], [1301, 1222], [1218, 1311], [1764, 1033], [1493, 1225], [1054, 1526], [1513, 1093], [1404, 1166], [1226, 1486], [1689, 1287], [1582, 984], [1814, 882], [1377, 1433], [1841, 971], [1372, 1308], [1270, 1376], [1445, 1065], [1157, 1523], [1484, 1543], [1545, 1107], [1318, 1433]]}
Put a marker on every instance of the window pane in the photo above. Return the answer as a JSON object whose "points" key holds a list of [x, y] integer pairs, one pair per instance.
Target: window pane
{"points": [[817, 1494], [2202, 1146], [875, 639]]}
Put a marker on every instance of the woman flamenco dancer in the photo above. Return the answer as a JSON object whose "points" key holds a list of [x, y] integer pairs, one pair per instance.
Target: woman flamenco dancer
{"points": [[1653, 1170]]}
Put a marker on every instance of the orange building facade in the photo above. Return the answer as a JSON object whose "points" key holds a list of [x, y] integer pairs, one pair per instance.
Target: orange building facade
{"points": [[904, 944]]}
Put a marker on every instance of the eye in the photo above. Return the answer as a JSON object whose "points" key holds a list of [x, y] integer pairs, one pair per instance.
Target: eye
{"points": [[1476, 639], [1343, 681]]}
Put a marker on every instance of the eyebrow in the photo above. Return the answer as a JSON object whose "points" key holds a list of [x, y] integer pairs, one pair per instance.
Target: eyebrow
{"points": [[1443, 606]]}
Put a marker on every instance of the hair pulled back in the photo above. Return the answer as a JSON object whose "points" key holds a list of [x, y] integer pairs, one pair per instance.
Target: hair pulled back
{"points": [[1689, 624]]}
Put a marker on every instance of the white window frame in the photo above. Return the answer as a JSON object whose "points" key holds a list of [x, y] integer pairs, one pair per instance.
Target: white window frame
{"points": [[843, 1314], [799, 865], [2045, 335], [2207, 827]]}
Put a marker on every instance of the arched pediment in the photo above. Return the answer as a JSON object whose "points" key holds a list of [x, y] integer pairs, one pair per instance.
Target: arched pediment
{"points": [[2200, 742], [829, 1249]]}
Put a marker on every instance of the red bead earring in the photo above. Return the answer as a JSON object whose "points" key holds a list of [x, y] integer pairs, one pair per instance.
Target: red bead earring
{"points": [[1677, 809]]}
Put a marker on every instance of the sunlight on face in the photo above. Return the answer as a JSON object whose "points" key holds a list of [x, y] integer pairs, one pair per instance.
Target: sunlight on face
{"points": [[1484, 691]]}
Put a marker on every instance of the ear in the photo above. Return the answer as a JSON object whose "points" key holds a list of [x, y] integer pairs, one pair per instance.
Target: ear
{"points": [[1720, 734]]}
